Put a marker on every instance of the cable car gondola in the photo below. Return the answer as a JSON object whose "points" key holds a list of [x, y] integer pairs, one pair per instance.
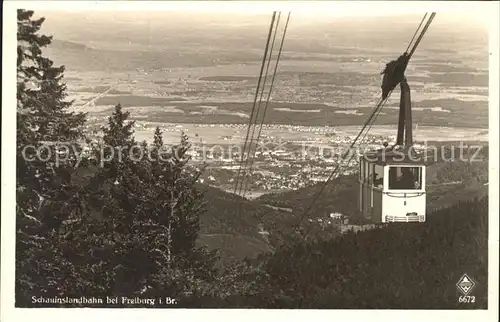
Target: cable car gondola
{"points": [[392, 179]]}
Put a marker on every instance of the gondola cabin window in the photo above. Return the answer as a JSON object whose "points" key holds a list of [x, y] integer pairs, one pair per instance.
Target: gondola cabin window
{"points": [[405, 178], [378, 176]]}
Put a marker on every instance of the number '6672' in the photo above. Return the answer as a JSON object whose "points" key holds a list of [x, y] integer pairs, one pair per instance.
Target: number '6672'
{"points": [[467, 299]]}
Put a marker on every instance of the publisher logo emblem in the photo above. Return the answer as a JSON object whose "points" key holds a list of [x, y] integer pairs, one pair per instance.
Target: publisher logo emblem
{"points": [[465, 284]]}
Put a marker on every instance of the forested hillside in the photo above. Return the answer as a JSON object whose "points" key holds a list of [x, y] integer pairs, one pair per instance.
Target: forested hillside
{"points": [[399, 267]]}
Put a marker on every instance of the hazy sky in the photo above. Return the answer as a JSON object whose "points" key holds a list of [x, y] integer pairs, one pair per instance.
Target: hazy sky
{"points": [[311, 16], [387, 21], [61, 21]]}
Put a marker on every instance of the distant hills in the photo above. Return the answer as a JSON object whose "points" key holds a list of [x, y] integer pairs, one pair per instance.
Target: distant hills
{"points": [[238, 29], [78, 57]]}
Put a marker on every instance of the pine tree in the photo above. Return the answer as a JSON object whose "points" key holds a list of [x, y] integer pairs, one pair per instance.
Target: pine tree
{"points": [[186, 268], [119, 131], [158, 138], [104, 243], [43, 185], [41, 91], [149, 220], [118, 140]]}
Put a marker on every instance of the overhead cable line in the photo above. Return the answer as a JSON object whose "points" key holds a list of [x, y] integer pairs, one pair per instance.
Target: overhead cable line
{"points": [[417, 42], [248, 158], [271, 27], [268, 95], [416, 32]]}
